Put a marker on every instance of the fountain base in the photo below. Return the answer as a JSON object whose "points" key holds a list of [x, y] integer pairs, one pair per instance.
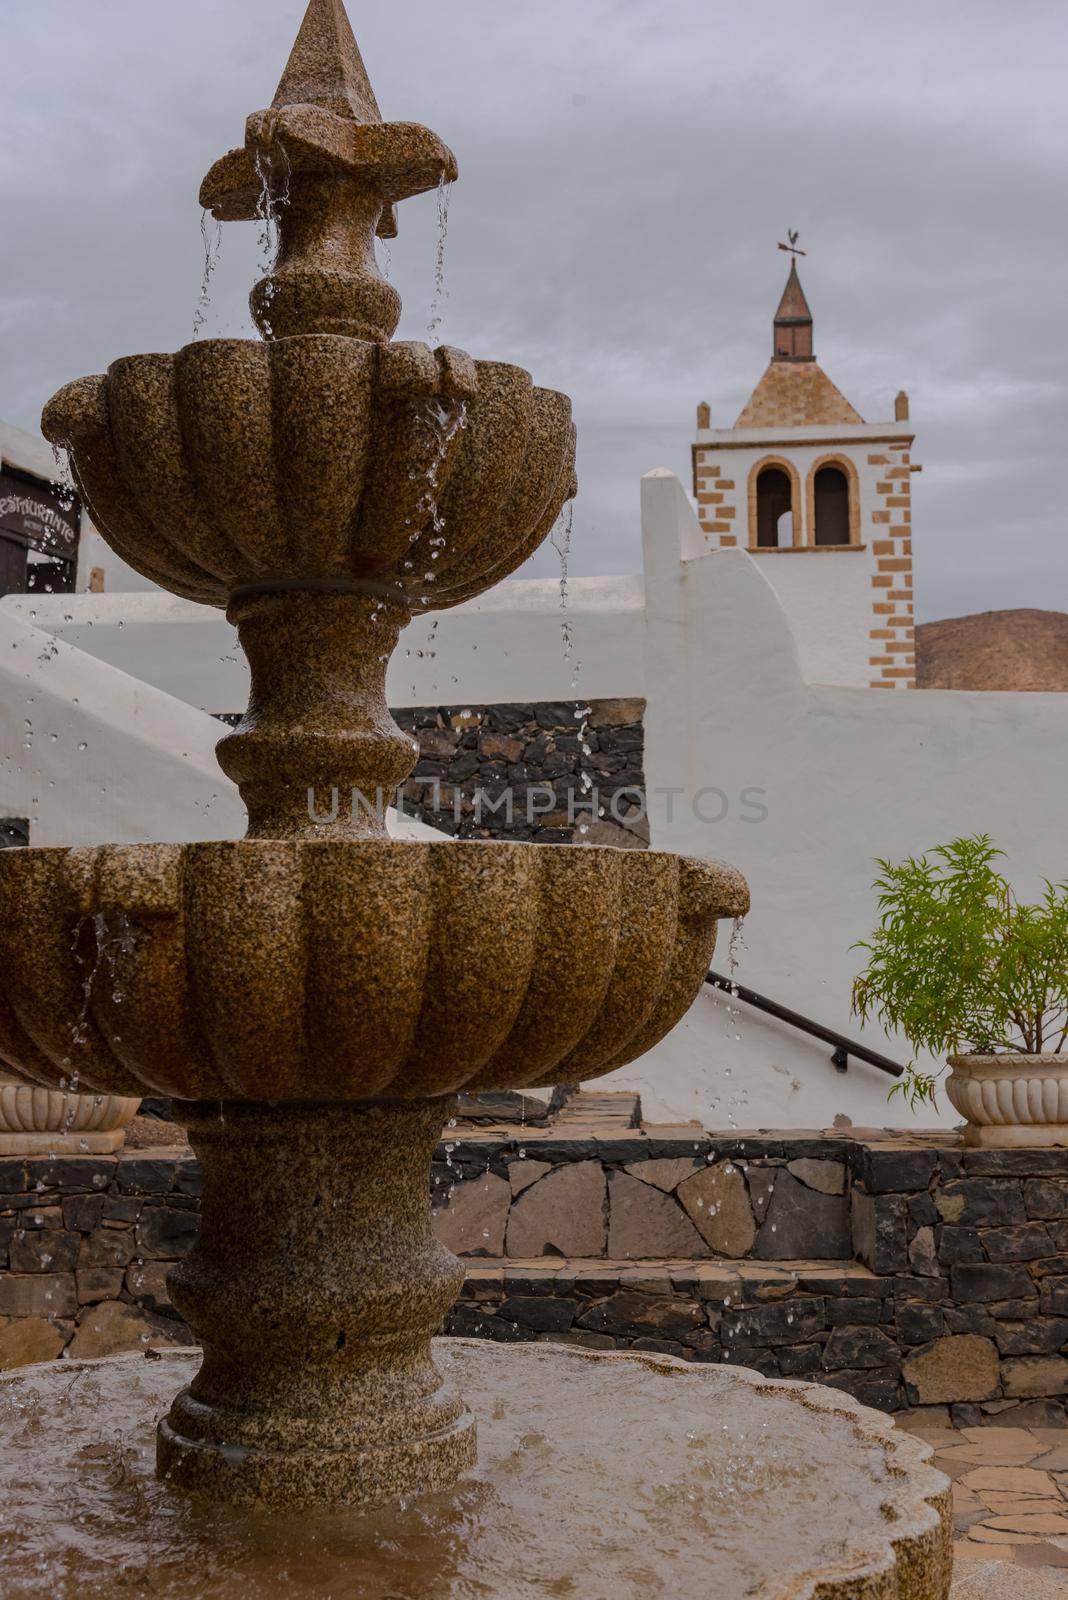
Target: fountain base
{"points": [[315, 1287], [248, 1475]]}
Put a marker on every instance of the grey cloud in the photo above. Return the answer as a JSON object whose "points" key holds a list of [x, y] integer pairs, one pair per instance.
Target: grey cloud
{"points": [[626, 169]]}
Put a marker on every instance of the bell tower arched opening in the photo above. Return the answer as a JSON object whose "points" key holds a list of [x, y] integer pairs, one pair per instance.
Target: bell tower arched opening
{"points": [[832, 510], [775, 509]]}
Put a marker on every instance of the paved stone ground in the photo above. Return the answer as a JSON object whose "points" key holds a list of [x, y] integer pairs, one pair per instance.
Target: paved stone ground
{"points": [[1010, 1500]]}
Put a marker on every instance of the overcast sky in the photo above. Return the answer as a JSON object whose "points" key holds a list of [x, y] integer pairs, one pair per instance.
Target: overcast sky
{"points": [[626, 169]]}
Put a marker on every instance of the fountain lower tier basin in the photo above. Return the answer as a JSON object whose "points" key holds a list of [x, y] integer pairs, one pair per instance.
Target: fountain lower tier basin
{"points": [[290, 971], [599, 1475]]}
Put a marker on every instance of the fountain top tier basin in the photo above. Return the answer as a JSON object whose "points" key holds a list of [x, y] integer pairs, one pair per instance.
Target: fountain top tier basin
{"points": [[417, 474], [278, 971], [773, 1491]]}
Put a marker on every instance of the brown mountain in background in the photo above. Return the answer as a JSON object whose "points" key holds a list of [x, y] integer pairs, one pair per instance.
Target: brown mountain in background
{"points": [[994, 650]]}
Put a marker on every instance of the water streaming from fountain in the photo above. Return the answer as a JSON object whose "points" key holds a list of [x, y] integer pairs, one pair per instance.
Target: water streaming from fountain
{"points": [[561, 539], [211, 234], [273, 170], [441, 294]]}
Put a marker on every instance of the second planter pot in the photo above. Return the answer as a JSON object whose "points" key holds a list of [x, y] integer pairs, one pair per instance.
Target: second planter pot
{"points": [[1011, 1101]]}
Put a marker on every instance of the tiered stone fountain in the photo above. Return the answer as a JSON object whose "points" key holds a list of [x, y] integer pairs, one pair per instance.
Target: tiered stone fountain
{"points": [[313, 995]]}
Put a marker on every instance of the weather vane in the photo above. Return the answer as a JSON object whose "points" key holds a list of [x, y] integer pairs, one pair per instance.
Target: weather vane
{"points": [[791, 248]]}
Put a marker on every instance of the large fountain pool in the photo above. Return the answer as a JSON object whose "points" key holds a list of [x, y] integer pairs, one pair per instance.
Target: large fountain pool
{"points": [[598, 1476]]}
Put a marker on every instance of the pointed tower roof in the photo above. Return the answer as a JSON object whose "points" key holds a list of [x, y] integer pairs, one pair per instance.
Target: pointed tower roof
{"points": [[326, 68], [795, 392], [793, 307]]}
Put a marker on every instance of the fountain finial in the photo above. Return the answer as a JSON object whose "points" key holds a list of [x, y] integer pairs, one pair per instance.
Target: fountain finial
{"points": [[326, 67], [322, 161]]}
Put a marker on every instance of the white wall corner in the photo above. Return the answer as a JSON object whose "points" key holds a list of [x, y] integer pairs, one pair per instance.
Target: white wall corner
{"points": [[669, 523]]}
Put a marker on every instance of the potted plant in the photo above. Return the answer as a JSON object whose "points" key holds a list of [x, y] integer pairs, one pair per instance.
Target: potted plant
{"points": [[963, 968]]}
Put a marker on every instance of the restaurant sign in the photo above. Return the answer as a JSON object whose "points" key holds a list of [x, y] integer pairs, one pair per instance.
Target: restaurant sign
{"points": [[39, 515]]}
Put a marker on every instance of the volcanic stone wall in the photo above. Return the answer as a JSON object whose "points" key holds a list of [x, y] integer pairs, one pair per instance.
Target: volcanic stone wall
{"points": [[557, 773], [86, 1243], [906, 1271]]}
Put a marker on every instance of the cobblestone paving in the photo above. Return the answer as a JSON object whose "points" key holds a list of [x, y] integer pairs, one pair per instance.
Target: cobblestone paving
{"points": [[1010, 1501]]}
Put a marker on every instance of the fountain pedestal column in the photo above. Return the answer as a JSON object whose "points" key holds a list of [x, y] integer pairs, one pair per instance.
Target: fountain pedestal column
{"points": [[315, 1287], [318, 740]]}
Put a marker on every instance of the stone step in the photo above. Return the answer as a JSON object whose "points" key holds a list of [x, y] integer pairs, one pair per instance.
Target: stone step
{"points": [[891, 1340], [832, 1322], [610, 1111], [521, 1110], [734, 1281]]}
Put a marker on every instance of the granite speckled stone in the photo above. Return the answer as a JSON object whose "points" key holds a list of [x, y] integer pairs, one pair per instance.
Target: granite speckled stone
{"points": [[311, 996], [291, 971], [315, 1286], [413, 474]]}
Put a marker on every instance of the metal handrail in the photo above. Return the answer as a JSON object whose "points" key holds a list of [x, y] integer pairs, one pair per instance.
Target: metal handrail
{"points": [[843, 1047]]}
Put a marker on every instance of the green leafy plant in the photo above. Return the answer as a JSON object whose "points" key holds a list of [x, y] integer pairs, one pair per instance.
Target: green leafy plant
{"points": [[960, 966]]}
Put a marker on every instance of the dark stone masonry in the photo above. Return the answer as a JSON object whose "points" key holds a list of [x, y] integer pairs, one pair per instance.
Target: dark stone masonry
{"points": [[554, 772], [557, 773], [14, 833], [907, 1271], [86, 1243]]}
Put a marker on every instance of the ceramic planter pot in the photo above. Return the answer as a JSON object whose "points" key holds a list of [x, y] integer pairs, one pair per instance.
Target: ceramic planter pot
{"points": [[1011, 1101], [37, 1122]]}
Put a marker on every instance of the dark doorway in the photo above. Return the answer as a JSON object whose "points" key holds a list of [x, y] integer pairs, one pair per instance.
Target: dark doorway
{"points": [[832, 507], [775, 508], [12, 566]]}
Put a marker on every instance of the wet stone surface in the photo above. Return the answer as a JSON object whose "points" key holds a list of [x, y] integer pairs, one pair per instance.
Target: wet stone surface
{"points": [[1010, 1502], [723, 1505]]}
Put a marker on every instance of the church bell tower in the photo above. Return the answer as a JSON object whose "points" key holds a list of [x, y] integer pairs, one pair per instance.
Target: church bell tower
{"points": [[823, 500]]}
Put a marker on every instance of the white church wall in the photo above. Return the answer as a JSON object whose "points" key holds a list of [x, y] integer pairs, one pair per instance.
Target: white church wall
{"points": [[505, 646], [827, 599], [844, 775]]}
